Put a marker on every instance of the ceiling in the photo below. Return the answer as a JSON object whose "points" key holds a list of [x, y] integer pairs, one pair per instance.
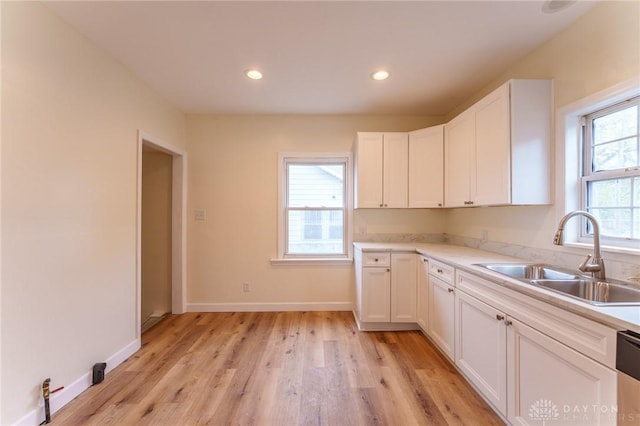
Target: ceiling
{"points": [[317, 57]]}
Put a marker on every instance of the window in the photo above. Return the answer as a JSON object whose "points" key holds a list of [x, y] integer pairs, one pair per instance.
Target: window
{"points": [[611, 172], [315, 206]]}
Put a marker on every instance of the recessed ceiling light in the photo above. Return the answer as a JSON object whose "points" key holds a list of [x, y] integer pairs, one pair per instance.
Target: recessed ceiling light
{"points": [[253, 74], [380, 75], [553, 6]]}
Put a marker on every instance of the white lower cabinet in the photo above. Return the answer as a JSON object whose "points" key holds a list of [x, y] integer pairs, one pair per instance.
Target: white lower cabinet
{"points": [[528, 376], [422, 313], [533, 362], [376, 294], [481, 348], [549, 381], [404, 283], [386, 290], [441, 326]]}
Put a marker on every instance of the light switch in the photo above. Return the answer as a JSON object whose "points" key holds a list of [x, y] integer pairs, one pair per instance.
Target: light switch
{"points": [[200, 214]]}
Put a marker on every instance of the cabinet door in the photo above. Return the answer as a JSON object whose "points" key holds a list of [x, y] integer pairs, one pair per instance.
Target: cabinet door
{"points": [[493, 160], [404, 284], [422, 313], [368, 175], [426, 167], [550, 381], [442, 315], [481, 348], [376, 295], [459, 159], [395, 182]]}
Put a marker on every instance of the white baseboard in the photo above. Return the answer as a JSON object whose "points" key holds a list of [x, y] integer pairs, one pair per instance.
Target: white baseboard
{"points": [[58, 400], [268, 307]]}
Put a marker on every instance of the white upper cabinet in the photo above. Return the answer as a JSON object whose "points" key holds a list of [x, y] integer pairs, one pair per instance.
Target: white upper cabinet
{"points": [[426, 167], [459, 158], [382, 167], [368, 170], [492, 149], [395, 175], [498, 151]]}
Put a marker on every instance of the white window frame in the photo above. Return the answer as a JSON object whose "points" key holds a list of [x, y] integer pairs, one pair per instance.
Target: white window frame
{"points": [[598, 176], [569, 160], [314, 157]]}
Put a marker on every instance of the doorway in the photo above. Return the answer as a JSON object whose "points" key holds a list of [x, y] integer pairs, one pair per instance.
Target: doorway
{"points": [[155, 299], [161, 241]]}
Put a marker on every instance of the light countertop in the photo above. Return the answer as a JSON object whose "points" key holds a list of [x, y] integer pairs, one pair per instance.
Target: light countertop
{"points": [[464, 258]]}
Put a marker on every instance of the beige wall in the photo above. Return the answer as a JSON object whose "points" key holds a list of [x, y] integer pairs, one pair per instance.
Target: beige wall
{"points": [[156, 232], [600, 50], [233, 175], [70, 117]]}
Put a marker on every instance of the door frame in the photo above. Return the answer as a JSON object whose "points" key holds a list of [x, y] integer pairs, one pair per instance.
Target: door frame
{"points": [[178, 225]]}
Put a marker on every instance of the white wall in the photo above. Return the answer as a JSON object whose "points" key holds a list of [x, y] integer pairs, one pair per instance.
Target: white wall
{"points": [[600, 50], [70, 122], [233, 164]]}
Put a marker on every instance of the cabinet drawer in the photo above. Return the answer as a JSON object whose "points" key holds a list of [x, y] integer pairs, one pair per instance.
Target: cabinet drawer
{"points": [[441, 270], [376, 259]]}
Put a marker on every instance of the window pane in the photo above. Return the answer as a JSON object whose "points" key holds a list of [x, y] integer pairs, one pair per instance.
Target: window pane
{"points": [[336, 224], [612, 147], [315, 232], [312, 225], [617, 125], [316, 185], [615, 155], [609, 193], [613, 222]]}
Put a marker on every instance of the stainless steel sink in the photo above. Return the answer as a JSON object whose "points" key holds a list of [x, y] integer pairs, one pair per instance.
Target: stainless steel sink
{"points": [[594, 291], [569, 283], [530, 271]]}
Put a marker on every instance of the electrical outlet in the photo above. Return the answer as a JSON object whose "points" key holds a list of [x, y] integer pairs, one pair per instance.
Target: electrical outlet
{"points": [[485, 235], [246, 287]]}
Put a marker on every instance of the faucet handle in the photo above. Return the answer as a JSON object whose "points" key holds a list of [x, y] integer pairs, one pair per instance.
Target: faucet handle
{"points": [[596, 268], [585, 265]]}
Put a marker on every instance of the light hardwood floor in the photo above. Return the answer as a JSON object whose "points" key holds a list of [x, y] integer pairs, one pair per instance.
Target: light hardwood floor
{"points": [[285, 368]]}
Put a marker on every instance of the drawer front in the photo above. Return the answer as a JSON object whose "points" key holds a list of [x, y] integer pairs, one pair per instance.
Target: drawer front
{"points": [[376, 259], [441, 270]]}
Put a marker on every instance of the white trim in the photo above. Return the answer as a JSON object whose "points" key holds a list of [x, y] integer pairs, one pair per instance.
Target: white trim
{"points": [[60, 399], [385, 326], [282, 188], [568, 152], [179, 226], [606, 248], [311, 262], [1, 350], [269, 307]]}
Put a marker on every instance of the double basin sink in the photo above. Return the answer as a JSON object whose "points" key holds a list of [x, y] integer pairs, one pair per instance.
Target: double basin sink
{"points": [[569, 283]]}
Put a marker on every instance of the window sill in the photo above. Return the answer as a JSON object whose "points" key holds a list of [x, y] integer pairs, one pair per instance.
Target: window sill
{"points": [[605, 248], [311, 261]]}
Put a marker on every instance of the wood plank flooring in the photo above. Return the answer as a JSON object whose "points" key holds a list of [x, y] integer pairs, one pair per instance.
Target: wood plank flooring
{"points": [[279, 368]]}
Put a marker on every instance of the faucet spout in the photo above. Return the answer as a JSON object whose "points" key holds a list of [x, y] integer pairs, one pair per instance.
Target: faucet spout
{"points": [[593, 265]]}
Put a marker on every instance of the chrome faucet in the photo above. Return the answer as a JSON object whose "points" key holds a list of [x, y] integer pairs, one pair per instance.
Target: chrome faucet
{"points": [[596, 265]]}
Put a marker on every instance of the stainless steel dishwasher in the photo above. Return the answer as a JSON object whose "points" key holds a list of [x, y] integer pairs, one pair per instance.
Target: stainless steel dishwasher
{"points": [[628, 366]]}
